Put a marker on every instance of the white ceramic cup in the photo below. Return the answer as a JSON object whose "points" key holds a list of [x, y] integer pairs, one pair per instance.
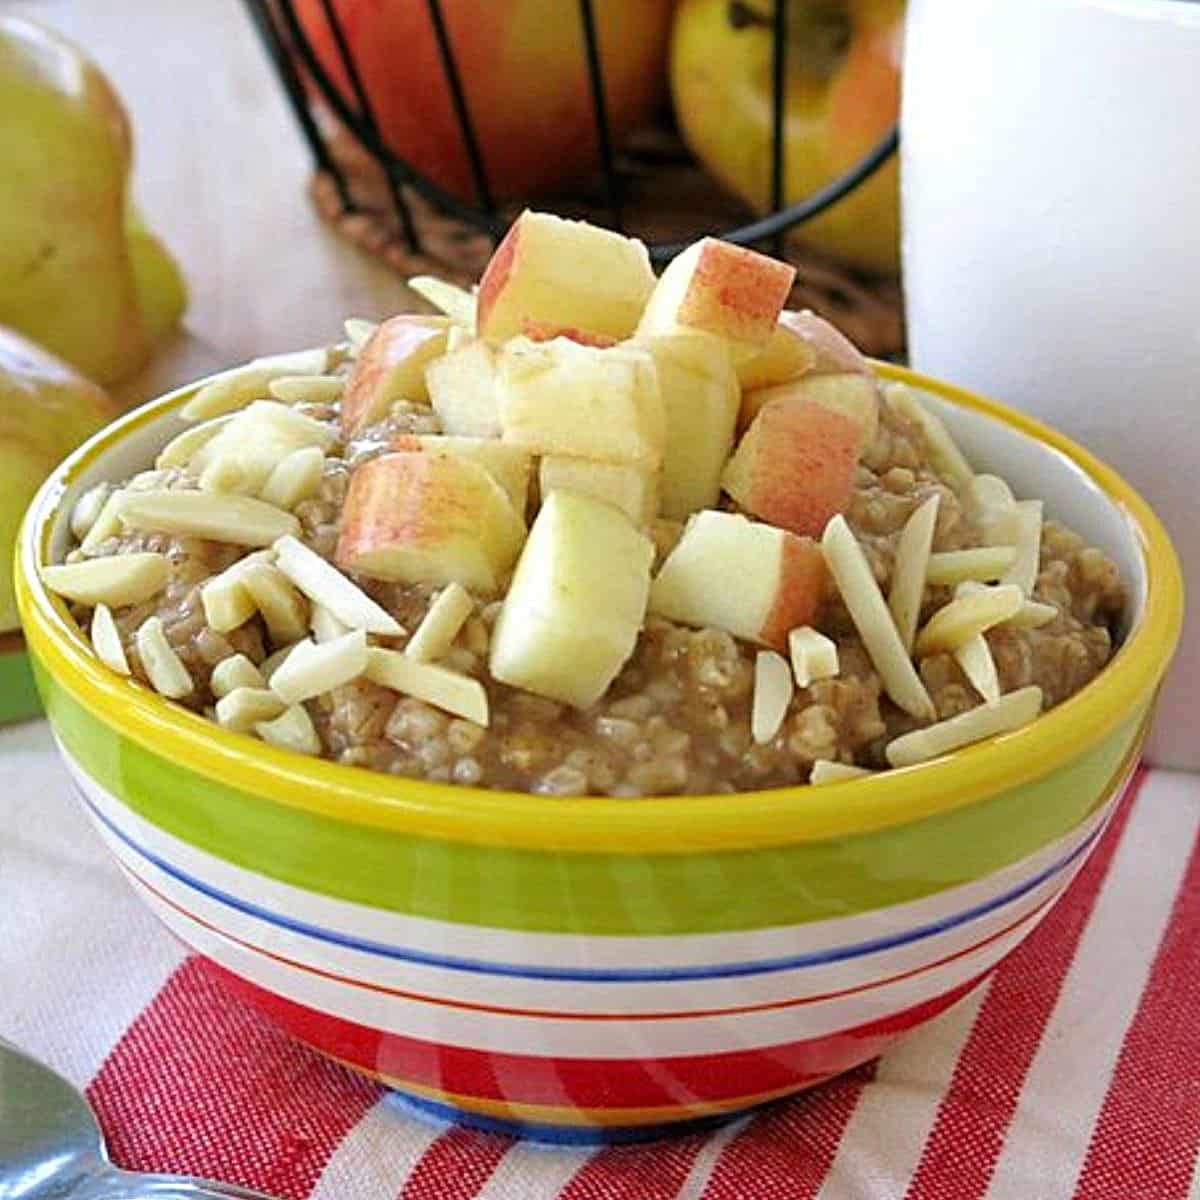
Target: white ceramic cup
{"points": [[1051, 215]]}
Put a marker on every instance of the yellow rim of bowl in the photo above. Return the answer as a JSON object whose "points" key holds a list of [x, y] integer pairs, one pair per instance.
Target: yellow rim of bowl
{"points": [[673, 824]]}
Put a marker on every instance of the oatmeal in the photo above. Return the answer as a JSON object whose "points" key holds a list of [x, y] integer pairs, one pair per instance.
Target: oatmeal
{"points": [[409, 514]]}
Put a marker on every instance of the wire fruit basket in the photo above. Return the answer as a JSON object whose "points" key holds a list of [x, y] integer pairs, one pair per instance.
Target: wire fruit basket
{"points": [[648, 185]]}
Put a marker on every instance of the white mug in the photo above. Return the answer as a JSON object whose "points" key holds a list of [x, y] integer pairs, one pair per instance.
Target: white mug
{"points": [[1050, 180]]}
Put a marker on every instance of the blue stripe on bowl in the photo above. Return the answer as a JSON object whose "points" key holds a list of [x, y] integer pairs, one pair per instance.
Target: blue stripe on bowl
{"points": [[814, 958]]}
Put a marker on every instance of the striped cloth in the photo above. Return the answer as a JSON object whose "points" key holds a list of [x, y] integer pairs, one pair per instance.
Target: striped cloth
{"points": [[1074, 1073]]}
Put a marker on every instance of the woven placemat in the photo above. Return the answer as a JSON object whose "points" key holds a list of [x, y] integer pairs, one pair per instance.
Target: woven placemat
{"points": [[665, 197]]}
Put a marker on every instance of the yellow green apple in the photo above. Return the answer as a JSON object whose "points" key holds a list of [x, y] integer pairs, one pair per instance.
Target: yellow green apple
{"points": [[79, 272], [842, 94], [46, 410]]}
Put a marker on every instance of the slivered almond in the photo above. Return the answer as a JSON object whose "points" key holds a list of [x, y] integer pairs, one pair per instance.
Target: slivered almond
{"points": [[814, 656], [965, 616], [307, 389], [864, 601], [167, 674], [245, 707], [1033, 614], [235, 388], [293, 730], [282, 607], [325, 585], [107, 523], [238, 520], [440, 625], [295, 478], [773, 690], [974, 656], [457, 303], [88, 508], [912, 564], [106, 641], [445, 689], [234, 672], [943, 450], [324, 625], [358, 332], [826, 771], [985, 564], [1024, 571], [226, 602], [312, 669], [179, 451], [226, 476], [1010, 712], [116, 581], [991, 505], [274, 661]]}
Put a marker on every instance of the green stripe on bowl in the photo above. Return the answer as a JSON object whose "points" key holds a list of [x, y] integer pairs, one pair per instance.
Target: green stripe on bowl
{"points": [[590, 893], [18, 696]]}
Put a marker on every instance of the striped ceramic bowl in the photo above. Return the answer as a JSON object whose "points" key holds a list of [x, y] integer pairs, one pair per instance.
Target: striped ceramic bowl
{"points": [[601, 968]]}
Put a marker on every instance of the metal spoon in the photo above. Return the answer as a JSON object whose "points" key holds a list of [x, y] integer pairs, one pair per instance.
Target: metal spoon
{"points": [[51, 1147]]}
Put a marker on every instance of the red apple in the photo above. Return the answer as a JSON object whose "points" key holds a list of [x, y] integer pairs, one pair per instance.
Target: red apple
{"points": [[523, 68]]}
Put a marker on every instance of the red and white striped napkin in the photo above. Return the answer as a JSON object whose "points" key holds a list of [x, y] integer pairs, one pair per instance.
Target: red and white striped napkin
{"points": [[1075, 1073]]}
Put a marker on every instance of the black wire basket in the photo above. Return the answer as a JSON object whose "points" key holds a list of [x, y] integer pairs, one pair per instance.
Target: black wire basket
{"points": [[395, 211]]}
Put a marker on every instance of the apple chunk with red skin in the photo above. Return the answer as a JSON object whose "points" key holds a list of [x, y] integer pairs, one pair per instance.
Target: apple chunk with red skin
{"points": [[725, 290], [854, 396], [795, 467], [547, 331], [462, 391], [563, 273], [429, 518], [755, 581], [390, 367]]}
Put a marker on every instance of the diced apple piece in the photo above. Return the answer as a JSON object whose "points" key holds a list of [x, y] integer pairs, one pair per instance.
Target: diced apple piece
{"points": [[773, 688], [245, 707], [235, 388], [457, 303], [294, 478], [966, 615], [116, 581], [508, 465], [572, 616], [563, 272], [547, 331], [432, 518], [1024, 570], [391, 367], [308, 389], [562, 398], [166, 672], [911, 569], [445, 689], [754, 581], [943, 451], [462, 390], [700, 400], [813, 655], [984, 564], [281, 605], [441, 623], [833, 352], [238, 520], [293, 730], [1008, 713], [312, 668], [634, 490], [854, 396], [718, 288], [796, 465], [865, 604], [325, 585], [236, 671], [784, 358], [824, 771], [106, 640]]}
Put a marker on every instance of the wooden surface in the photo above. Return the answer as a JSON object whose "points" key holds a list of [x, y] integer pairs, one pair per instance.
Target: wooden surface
{"points": [[222, 174]]}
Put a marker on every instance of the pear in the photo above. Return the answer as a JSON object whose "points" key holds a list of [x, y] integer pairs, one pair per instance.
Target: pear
{"points": [[46, 410], [79, 273]]}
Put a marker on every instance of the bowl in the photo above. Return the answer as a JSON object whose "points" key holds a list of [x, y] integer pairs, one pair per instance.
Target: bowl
{"points": [[599, 969]]}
